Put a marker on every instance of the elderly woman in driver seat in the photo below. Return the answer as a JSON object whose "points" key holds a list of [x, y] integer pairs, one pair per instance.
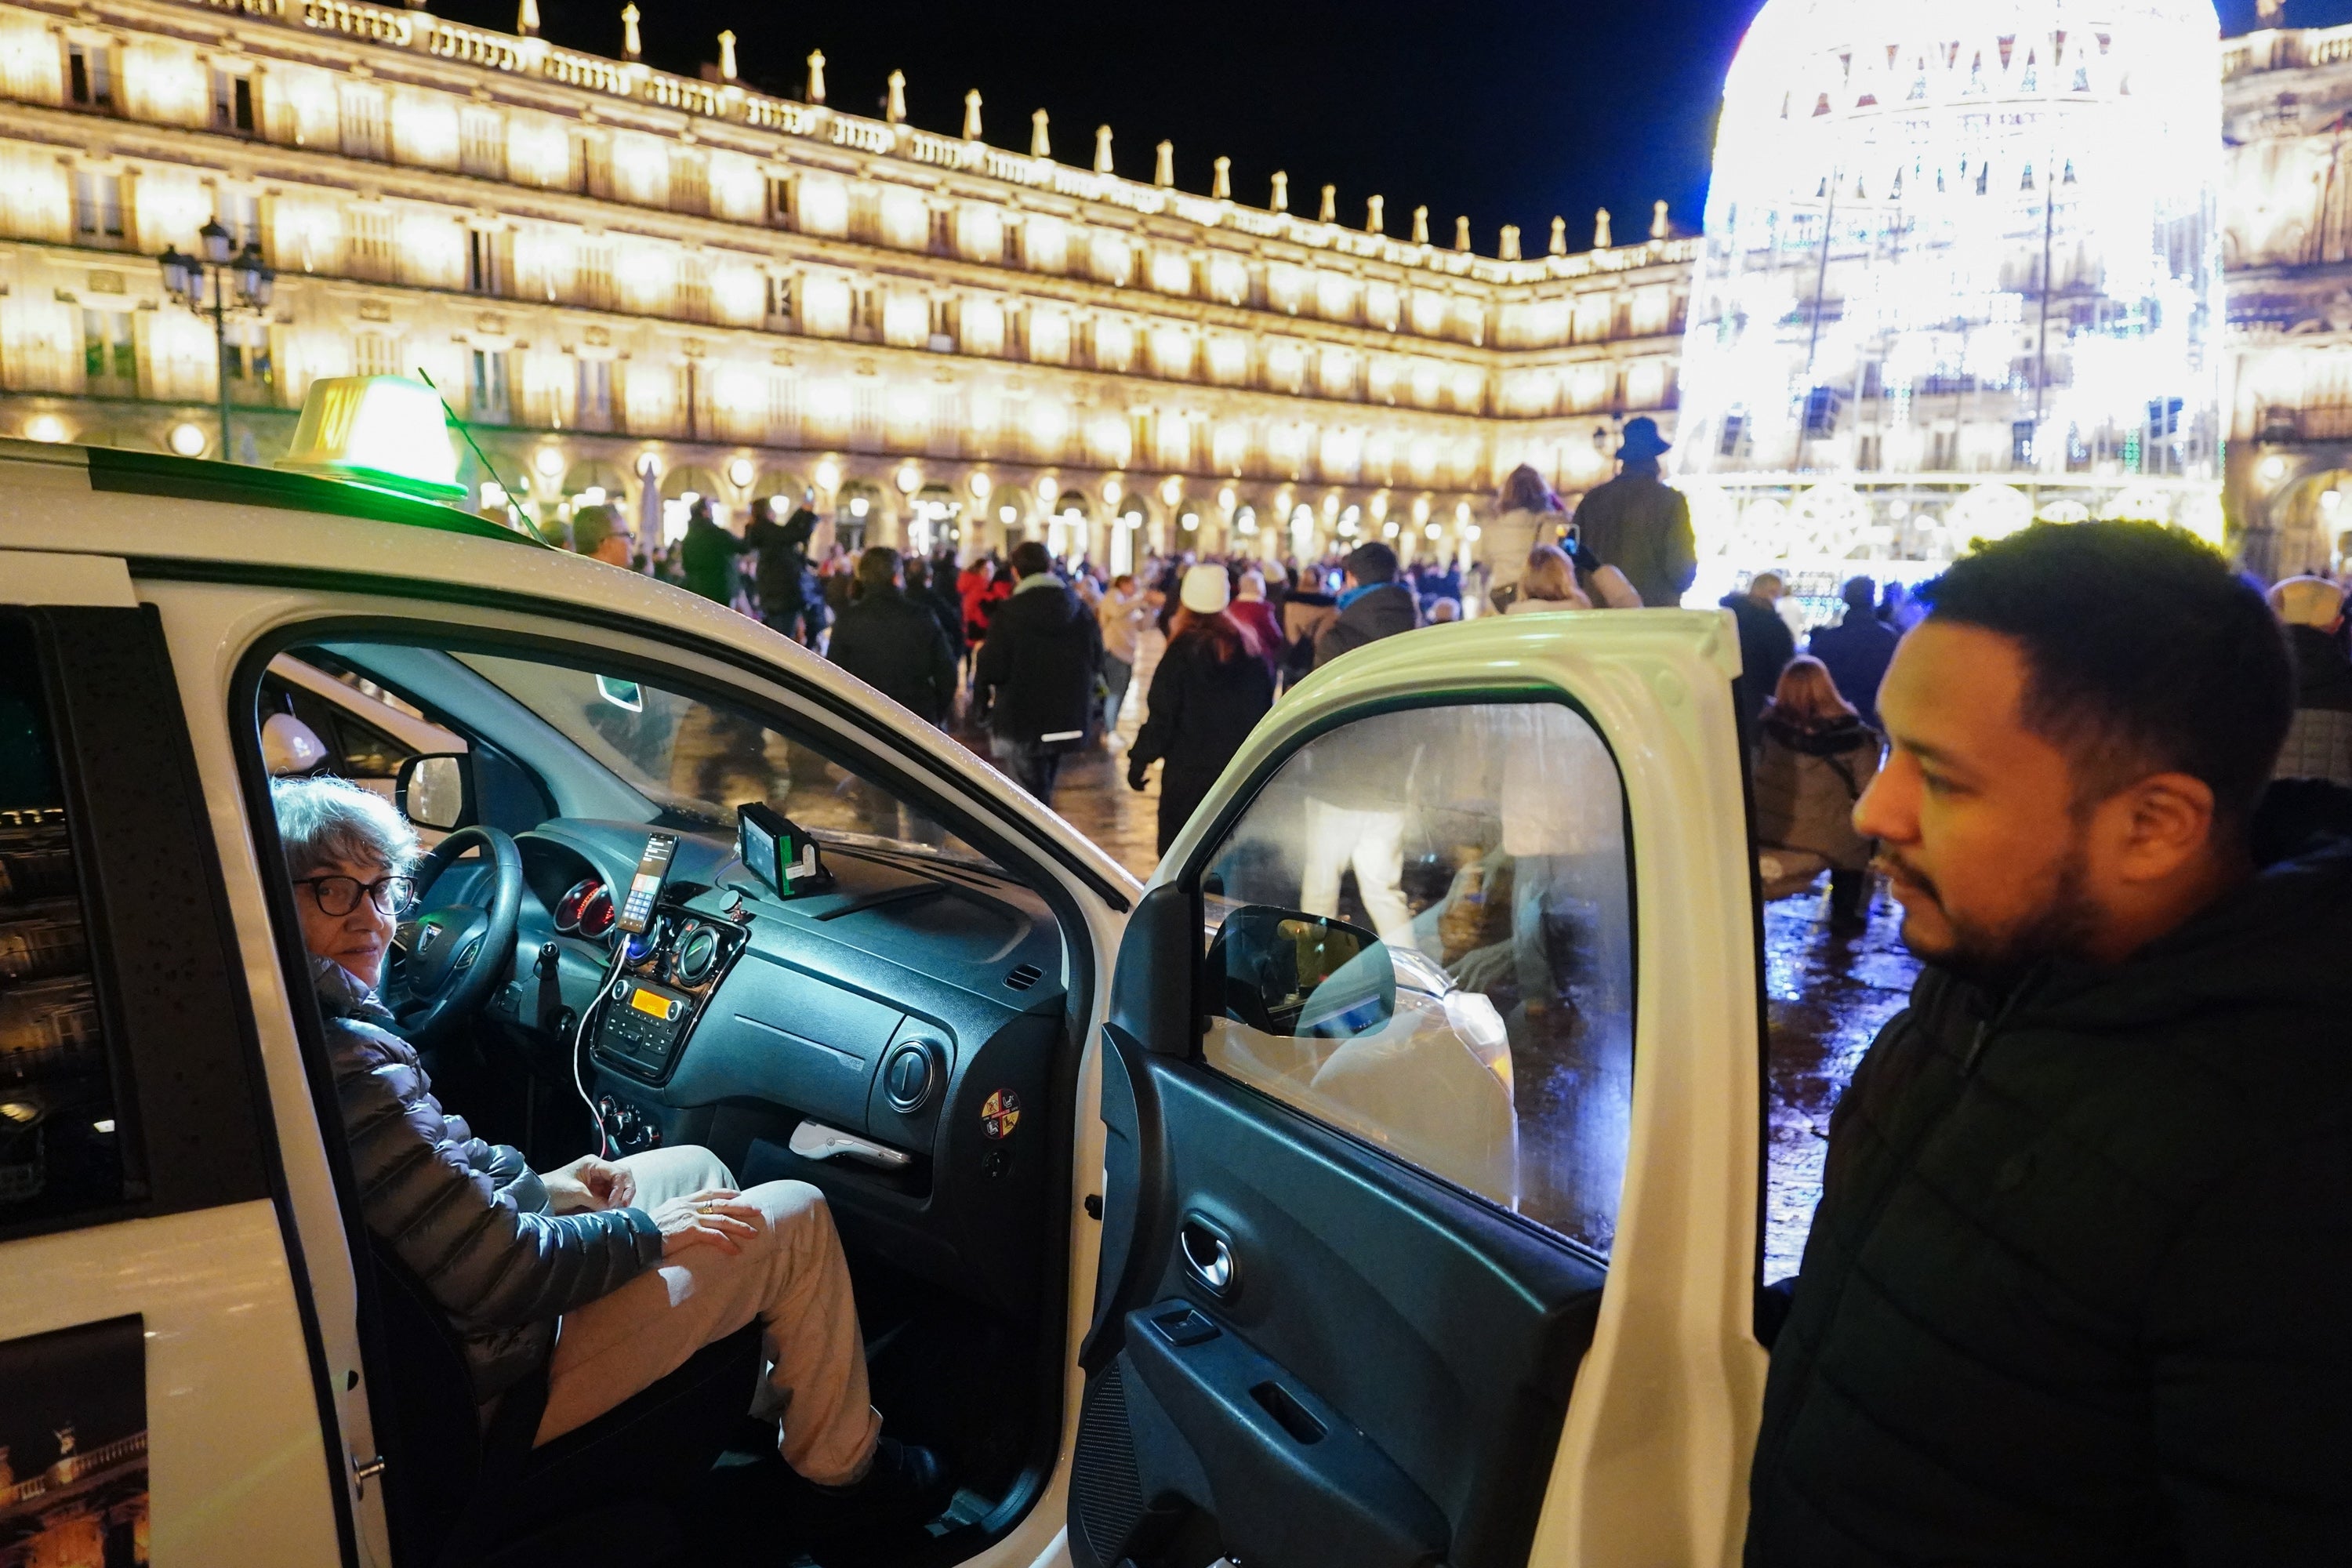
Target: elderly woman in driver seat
{"points": [[610, 1273]]}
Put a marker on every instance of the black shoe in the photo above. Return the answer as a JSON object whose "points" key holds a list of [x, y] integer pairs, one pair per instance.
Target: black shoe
{"points": [[906, 1484]]}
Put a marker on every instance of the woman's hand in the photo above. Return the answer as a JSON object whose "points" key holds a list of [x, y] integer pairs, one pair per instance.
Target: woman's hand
{"points": [[589, 1184], [714, 1215]]}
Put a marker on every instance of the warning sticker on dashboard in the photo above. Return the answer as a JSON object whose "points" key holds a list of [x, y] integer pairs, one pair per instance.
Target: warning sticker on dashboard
{"points": [[1000, 1114]]}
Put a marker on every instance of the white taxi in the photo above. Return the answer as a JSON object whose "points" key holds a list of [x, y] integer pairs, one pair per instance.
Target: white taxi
{"points": [[1378, 1185]]}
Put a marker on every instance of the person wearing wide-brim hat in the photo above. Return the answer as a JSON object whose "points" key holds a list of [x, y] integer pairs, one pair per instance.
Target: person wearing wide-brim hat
{"points": [[1639, 524]]}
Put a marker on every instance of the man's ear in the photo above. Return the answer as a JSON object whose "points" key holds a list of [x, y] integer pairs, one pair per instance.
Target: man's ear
{"points": [[2161, 825]]}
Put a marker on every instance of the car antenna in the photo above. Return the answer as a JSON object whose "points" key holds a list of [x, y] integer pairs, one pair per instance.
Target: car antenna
{"points": [[513, 512]]}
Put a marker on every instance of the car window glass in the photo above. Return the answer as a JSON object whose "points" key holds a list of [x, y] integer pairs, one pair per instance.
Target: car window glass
{"points": [[1485, 845], [699, 759], [60, 1151]]}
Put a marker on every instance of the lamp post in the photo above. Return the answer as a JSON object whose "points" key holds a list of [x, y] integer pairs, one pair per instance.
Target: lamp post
{"points": [[184, 280]]}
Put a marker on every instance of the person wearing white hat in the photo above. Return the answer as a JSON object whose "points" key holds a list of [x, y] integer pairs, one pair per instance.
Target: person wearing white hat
{"points": [[1211, 688]]}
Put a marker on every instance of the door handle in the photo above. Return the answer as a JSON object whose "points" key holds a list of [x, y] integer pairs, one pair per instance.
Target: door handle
{"points": [[1208, 1256]]}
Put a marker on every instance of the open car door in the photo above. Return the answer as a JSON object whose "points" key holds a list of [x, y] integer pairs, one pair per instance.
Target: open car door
{"points": [[1432, 1088]]}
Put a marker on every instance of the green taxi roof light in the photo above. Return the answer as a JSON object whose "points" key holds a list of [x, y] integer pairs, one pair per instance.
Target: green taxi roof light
{"points": [[381, 430]]}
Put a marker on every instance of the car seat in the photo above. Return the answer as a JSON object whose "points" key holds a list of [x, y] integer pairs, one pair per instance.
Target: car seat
{"points": [[458, 1490]]}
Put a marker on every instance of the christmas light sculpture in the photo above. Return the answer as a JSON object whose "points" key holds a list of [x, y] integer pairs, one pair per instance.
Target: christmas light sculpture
{"points": [[1961, 270]]}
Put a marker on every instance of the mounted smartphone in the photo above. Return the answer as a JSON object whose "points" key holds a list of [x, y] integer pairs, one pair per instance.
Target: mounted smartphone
{"points": [[646, 886]]}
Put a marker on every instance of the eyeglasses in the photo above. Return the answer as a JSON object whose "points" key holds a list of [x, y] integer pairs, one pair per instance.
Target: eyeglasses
{"points": [[340, 896]]}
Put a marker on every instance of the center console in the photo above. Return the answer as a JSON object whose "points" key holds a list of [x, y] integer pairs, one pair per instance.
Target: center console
{"points": [[661, 979]]}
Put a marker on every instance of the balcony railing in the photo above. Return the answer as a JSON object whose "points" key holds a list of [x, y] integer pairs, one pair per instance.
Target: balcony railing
{"points": [[507, 54]]}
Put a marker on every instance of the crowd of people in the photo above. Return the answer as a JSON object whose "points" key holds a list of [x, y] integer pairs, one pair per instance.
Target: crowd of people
{"points": [[2076, 1285]]}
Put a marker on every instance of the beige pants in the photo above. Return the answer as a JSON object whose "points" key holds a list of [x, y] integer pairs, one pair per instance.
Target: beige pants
{"points": [[1373, 843], [790, 1275]]}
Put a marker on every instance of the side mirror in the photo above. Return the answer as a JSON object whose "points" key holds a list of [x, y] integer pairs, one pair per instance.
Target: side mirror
{"points": [[433, 792], [1289, 974]]}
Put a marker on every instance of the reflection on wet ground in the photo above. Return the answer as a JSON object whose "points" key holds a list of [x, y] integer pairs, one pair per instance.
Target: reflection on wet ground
{"points": [[1826, 997]]}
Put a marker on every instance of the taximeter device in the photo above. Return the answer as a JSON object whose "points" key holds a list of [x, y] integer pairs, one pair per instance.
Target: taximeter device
{"points": [[780, 852], [646, 886]]}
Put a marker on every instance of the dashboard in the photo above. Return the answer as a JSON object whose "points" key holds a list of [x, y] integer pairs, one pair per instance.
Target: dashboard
{"points": [[893, 1039]]}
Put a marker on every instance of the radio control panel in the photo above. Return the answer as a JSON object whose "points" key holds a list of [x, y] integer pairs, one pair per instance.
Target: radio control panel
{"points": [[662, 976]]}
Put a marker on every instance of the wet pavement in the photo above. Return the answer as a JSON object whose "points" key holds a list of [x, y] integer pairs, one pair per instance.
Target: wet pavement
{"points": [[1826, 995]]}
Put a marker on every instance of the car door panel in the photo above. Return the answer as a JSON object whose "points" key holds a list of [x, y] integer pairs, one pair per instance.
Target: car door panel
{"points": [[1384, 1367], [189, 1240], [1362, 1290]]}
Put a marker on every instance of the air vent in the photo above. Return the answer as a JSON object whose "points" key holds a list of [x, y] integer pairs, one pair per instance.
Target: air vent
{"points": [[1022, 978]]}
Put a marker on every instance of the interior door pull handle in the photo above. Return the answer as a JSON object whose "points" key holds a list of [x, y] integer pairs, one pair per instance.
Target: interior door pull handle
{"points": [[1208, 1256]]}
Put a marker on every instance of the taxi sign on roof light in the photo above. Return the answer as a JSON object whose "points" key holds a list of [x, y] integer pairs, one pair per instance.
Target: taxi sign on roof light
{"points": [[381, 430]]}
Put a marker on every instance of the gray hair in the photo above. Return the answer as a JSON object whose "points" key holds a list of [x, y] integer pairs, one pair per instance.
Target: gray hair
{"points": [[323, 820]]}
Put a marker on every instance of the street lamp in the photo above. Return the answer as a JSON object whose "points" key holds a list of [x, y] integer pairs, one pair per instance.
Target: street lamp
{"points": [[184, 280]]}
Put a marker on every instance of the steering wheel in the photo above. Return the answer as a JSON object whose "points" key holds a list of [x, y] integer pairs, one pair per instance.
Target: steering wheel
{"points": [[452, 956]]}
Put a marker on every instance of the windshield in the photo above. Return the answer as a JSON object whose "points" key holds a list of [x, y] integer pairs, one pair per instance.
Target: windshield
{"points": [[699, 761]]}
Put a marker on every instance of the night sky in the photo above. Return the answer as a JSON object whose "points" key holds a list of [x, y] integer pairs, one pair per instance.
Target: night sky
{"points": [[1510, 111]]}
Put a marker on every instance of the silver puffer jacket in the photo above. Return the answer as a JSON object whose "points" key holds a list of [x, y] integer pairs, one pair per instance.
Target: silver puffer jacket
{"points": [[468, 1217]]}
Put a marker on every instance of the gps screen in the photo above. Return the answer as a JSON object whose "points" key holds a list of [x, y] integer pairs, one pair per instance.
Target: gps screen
{"points": [[653, 869]]}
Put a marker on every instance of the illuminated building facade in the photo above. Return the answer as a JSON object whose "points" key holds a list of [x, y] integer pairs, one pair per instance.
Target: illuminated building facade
{"points": [[2288, 206], [640, 286], [1962, 269]]}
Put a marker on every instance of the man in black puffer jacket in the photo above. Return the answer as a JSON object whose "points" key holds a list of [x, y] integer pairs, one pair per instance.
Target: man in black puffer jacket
{"points": [[2078, 1288], [893, 644], [609, 1273], [1035, 674]]}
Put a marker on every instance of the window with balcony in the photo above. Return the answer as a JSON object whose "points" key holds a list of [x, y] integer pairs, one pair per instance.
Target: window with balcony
{"points": [[592, 400], [98, 210], [592, 164], [692, 298], [241, 215], [246, 363], [487, 255], [364, 124], [109, 354], [482, 143], [376, 353], [369, 253], [233, 109], [593, 284], [689, 183], [89, 76], [490, 392]]}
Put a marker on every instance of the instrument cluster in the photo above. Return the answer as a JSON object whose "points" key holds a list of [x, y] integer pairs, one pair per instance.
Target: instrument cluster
{"points": [[587, 911]]}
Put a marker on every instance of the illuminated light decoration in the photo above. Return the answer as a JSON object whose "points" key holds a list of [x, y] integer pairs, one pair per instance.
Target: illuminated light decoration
{"points": [[980, 485], [1190, 520], [909, 479], [827, 474], [1954, 254], [187, 440], [1112, 492], [1389, 531], [2274, 468], [1008, 515], [1432, 530], [1421, 508], [549, 461], [1047, 488], [1226, 498], [1171, 491], [381, 430], [741, 472], [859, 506], [1472, 532]]}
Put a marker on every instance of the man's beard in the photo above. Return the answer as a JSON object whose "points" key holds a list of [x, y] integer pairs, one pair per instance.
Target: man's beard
{"points": [[2059, 927]]}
